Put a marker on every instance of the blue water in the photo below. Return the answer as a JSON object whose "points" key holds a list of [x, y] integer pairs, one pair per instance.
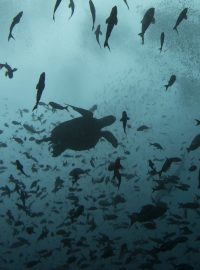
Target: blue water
{"points": [[39, 227]]}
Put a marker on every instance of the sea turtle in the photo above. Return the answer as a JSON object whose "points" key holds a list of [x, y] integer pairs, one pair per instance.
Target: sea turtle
{"points": [[80, 133]]}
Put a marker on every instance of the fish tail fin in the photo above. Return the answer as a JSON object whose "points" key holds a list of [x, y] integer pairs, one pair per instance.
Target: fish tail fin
{"points": [[10, 36], [160, 49], [93, 27], [188, 150], [106, 45], [54, 17], [35, 107], [160, 173], [175, 29], [142, 36], [197, 122], [166, 86], [66, 108]]}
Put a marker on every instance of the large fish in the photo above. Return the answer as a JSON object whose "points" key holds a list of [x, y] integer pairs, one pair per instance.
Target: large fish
{"points": [[40, 87], [72, 6], [15, 21], [111, 21], [55, 8], [146, 21], [93, 12], [181, 17]]}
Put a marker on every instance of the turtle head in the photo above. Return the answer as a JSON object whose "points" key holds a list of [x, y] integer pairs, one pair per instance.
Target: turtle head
{"points": [[107, 121]]}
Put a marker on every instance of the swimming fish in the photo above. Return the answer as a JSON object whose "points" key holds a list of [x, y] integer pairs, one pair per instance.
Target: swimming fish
{"points": [[124, 120], [111, 21], [181, 17], [15, 21], [162, 38], [40, 87], [72, 6], [93, 12], [171, 81], [97, 33], [55, 8], [146, 21]]}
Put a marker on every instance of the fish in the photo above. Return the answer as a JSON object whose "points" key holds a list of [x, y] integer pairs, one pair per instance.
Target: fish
{"points": [[125, 1], [194, 144], [40, 87], [97, 33], [192, 168], [142, 128], [31, 264], [181, 17], [146, 21], [15, 21], [75, 173], [111, 22], [124, 120], [19, 167], [55, 8], [57, 106], [93, 12], [162, 38], [171, 81], [9, 71], [31, 129], [157, 145], [72, 6]]}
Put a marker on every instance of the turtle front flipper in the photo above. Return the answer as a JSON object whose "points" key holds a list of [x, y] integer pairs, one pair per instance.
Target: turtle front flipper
{"points": [[57, 149], [83, 112], [110, 138]]}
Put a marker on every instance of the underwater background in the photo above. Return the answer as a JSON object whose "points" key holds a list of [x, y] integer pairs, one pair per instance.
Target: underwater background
{"points": [[82, 209]]}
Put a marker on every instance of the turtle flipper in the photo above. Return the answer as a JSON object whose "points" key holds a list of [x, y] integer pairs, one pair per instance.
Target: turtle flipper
{"points": [[110, 138], [83, 112], [57, 149]]}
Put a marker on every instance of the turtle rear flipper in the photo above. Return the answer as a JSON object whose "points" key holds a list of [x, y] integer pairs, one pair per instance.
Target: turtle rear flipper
{"points": [[110, 138], [57, 149]]}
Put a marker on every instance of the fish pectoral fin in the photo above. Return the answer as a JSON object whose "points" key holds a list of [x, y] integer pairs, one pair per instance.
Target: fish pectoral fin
{"points": [[107, 20], [185, 17], [116, 21], [100, 33], [110, 138], [153, 21]]}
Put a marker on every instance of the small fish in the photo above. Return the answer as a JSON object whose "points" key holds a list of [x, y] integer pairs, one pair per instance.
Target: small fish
{"points": [[194, 144], [146, 21], [157, 145], [124, 120], [97, 33], [170, 82], [20, 167], [55, 8], [125, 1], [57, 106], [93, 12], [72, 6], [142, 128], [162, 38], [181, 17], [15, 21], [40, 87], [192, 168], [9, 71], [111, 21]]}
